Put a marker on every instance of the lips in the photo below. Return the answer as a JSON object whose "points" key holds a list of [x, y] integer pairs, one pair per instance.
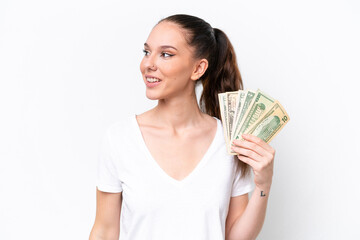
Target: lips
{"points": [[152, 81]]}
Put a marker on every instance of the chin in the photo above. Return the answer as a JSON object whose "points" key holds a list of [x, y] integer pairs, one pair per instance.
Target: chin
{"points": [[152, 96]]}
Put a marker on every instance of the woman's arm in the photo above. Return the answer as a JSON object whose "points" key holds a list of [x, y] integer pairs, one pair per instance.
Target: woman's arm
{"points": [[107, 220], [249, 224], [260, 156]]}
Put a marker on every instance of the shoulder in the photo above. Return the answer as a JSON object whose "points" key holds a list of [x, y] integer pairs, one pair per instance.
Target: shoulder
{"points": [[210, 122], [144, 119], [121, 127], [122, 135]]}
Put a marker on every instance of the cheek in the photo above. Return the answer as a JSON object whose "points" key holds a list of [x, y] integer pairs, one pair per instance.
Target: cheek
{"points": [[177, 71]]}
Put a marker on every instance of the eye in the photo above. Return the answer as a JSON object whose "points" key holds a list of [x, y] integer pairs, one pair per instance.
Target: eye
{"points": [[169, 55], [145, 51]]}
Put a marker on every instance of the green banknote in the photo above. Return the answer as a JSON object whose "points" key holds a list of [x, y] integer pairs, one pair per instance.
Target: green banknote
{"points": [[223, 112], [231, 100], [257, 108], [249, 96], [239, 104], [247, 111], [270, 124]]}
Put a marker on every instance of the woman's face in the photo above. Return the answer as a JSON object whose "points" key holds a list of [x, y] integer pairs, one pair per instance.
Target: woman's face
{"points": [[168, 59]]}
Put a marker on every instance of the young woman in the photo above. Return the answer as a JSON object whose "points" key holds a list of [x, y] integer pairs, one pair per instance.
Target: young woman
{"points": [[167, 170]]}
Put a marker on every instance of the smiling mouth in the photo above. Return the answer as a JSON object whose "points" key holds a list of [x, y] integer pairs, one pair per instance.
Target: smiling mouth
{"points": [[151, 80]]}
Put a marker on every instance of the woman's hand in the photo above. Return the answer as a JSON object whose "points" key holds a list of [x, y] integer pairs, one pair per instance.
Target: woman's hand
{"points": [[259, 155]]}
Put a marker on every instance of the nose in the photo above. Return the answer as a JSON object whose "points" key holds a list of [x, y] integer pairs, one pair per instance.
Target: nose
{"points": [[150, 63]]}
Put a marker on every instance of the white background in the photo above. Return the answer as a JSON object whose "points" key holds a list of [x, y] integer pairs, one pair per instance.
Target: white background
{"points": [[70, 68]]}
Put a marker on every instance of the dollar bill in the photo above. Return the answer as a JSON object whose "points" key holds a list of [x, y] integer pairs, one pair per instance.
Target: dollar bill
{"points": [[249, 96], [231, 100], [239, 104], [223, 112], [247, 111], [270, 124], [258, 107]]}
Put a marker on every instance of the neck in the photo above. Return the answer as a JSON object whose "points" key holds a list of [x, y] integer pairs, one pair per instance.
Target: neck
{"points": [[179, 112]]}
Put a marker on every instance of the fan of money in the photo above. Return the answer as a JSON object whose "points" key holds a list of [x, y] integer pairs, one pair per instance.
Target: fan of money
{"points": [[250, 112]]}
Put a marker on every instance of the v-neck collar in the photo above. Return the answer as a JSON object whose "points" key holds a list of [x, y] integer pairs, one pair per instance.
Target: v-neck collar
{"points": [[161, 171]]}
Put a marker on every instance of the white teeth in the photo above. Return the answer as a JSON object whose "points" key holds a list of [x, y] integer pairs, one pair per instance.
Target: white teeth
{"points": [[152, 80]]}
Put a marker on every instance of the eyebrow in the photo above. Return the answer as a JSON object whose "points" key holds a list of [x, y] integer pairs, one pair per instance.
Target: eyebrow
{"points": [[162, 47]]}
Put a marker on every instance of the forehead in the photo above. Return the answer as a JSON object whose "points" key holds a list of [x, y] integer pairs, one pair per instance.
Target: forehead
{"points": [[167, 33]]}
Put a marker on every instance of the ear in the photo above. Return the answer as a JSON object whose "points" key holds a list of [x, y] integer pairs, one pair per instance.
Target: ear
{"points": [[199, 69]]}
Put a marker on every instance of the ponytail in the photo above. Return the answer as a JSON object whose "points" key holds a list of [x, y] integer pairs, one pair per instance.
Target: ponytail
{"points": [[222, 74]]}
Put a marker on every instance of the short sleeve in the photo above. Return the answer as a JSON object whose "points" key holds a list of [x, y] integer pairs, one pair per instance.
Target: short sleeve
{"points": [[107, 174], [242, 185]]}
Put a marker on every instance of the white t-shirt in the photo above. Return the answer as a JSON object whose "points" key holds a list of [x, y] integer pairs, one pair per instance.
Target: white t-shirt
{"points": [[156, 206]]}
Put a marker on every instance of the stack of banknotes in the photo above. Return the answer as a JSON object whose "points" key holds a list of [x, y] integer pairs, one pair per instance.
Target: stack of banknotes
{"points": [[250, 112]]}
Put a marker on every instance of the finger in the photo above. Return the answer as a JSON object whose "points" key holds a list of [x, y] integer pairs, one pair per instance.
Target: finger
{"points": [[257, 141], [247, 153], [248, 161], [250, 145]]}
